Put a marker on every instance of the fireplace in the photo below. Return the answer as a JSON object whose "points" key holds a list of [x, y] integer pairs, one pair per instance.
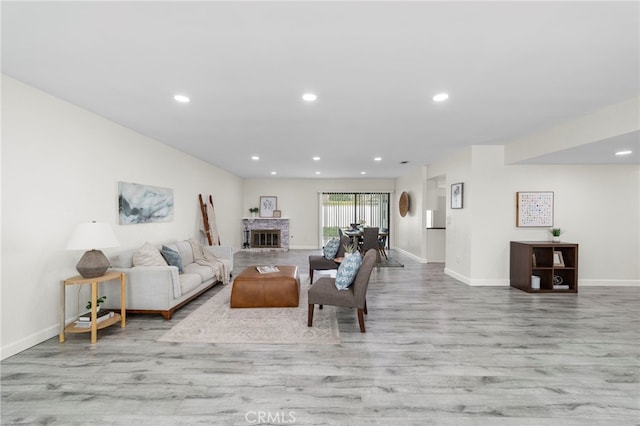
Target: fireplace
{"points": [[265, 238], [266, 234]]}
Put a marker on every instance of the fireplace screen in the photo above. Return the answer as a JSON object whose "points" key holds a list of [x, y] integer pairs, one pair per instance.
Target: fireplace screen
{"points": [[265, 238]]}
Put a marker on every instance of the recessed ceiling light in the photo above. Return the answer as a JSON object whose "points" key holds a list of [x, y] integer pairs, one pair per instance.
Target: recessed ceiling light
{"points": [[377, 159], [441, 97], [255, 157], [317, 173], [316, 158], [363, 173], [274, 173], [309, 97], [182, 98], [627, 152]]}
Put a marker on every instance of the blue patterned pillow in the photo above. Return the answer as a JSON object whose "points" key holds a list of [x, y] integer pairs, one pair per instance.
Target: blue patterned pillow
{"points": [[347, 271], [172, 257], [331, 248]]}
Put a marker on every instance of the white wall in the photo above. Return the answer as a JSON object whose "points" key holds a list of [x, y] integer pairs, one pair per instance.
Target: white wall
{"points": [[60, 166], [298, 200], [597, 206], [457, 169], [410, 230]]}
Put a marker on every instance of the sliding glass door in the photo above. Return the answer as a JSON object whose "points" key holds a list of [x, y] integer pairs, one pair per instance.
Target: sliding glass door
{"points": [[341, 209]]}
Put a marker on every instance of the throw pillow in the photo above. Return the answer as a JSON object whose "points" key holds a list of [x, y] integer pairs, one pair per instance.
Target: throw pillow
{"points": [[172, 257], [331, 248], [148, 255], [347, 271]]}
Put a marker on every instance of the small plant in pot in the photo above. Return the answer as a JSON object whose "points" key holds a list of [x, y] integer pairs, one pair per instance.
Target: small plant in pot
{"points": [[99, 301], [349, 249], [556, 232], [254, 211]]}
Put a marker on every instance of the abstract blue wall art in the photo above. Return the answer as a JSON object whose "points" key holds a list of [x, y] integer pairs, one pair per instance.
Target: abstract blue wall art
{"points": [[144, 204]]}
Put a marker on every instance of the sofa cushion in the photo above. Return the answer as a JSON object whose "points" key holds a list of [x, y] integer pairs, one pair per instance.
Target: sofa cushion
{"points": [[331, 248], [172, 257], [122, 260], [188, 282], [186, 252], [205, 272], [347, 271], [148, 255]]}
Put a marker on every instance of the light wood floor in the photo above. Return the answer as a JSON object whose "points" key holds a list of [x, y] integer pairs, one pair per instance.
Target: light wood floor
{"points": [[436, 352]]}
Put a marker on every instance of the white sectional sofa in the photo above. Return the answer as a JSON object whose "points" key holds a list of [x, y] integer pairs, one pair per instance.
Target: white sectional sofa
{"points": [[161, 288]]}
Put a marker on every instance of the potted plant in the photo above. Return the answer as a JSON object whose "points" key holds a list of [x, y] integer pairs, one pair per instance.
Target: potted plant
{"points": [[349, 249], [556, 232], [254, 211], [99, 301]]}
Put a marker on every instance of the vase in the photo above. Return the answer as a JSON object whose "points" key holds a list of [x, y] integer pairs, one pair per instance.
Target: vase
{"points": [[555, 239]]}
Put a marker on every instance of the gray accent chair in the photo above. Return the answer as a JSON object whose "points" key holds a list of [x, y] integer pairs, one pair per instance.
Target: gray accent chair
{"points": [[324, 291], [321, 263]]}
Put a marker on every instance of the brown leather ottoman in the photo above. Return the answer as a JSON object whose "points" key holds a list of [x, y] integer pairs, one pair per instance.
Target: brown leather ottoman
{"points": [[251, 289]]}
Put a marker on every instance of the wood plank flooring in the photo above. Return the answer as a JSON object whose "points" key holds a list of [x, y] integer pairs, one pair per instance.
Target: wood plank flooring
{"points": [[436, 352]]}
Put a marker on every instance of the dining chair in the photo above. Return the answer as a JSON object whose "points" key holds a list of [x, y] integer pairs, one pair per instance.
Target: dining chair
{"points": [[324, 291], [370, 239], [382, 243]]}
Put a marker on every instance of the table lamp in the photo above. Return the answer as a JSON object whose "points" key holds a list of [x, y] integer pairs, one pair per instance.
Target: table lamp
{"points": [[91, 236]]}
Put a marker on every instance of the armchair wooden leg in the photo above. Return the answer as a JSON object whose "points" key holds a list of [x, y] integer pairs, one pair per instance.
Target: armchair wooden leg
{"points": [[310, 320], [361, 319], [365, 308]]}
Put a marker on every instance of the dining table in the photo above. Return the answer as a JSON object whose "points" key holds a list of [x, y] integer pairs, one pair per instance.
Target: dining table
{"points": [[356, 234]]}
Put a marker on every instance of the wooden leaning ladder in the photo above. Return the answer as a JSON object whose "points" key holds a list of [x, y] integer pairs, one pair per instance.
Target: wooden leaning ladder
{"points": [[205, 218]]}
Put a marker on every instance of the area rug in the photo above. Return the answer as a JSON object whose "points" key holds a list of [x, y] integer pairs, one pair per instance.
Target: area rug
{"points": [[216, 322], [389, 263]]}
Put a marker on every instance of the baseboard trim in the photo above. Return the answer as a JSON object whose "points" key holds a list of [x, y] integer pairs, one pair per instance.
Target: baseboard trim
{"points": [[503, 282], [608, 283], [495, 282], [28, 342], [457, 276], [411, 255], [477, 282]]}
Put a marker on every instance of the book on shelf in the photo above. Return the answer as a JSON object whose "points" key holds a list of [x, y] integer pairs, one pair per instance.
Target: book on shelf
{"points": [[87, 315], [87, 324], [561, 286], [267, 269]]}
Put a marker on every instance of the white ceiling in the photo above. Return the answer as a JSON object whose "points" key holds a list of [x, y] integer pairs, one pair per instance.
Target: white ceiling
{"points": [[511, 69]]}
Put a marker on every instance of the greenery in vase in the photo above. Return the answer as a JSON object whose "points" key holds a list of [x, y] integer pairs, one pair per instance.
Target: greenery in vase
{"points": [[556, 232], [99, 301], [349, 248]]}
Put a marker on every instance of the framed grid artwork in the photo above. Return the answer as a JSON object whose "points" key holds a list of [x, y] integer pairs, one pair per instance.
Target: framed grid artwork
{"points": [[534, 208]]}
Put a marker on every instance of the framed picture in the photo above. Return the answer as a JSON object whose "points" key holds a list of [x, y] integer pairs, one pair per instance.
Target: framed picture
{"points": [[267, 205], [144, 203], [534, 208], [277, 213], [456, 195], [558, 260]]}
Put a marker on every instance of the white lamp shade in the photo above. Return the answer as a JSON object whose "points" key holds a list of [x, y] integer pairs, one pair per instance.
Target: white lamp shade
{"points": [[92, 235]]}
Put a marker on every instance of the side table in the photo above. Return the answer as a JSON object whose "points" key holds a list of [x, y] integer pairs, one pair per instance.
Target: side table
{"points": [[71, 328]]}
